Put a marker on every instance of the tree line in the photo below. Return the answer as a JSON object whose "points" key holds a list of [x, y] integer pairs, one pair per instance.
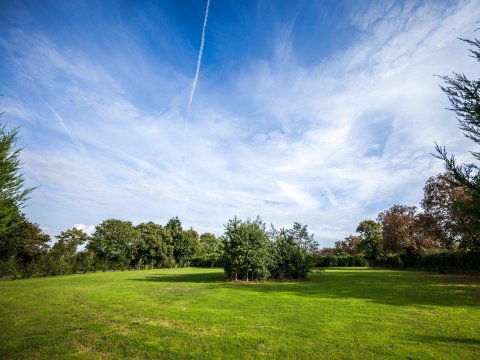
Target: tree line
{"points": [[402, 234], [114, 245]]}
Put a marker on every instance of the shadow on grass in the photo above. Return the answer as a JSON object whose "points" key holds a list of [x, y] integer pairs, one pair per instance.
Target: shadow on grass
{"points": [[448, 339], [390, 287], [206, 277]]}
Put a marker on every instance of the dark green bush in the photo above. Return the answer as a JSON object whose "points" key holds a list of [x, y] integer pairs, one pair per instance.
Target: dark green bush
{"points": [[444, 262], [340, 261], [389, 260], [201, 261], [448, 262]]}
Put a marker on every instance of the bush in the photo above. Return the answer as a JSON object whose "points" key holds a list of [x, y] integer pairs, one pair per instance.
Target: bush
{"points": [[449, 262], [444, 262], [340, 261], [202, 261], [389, 260]]}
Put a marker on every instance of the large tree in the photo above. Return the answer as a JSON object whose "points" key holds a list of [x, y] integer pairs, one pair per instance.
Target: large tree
{"points": [[211, 248], [62, 257], [464, 97], [248, 250], [185, 242], [25, 243], [13, 191], [371, 234], [398, 226], [115, 243], [348, 246], [292, 252], [155, 247], [445, 222]]}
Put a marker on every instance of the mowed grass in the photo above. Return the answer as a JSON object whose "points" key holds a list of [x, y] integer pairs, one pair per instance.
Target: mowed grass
{"points": [[194, 314]]}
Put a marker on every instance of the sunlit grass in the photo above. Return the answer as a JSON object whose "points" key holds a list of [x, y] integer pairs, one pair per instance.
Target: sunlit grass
{"points": [[193, 313]]}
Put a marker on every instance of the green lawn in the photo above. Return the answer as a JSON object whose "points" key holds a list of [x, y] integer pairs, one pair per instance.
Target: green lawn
{"points": [[193, 313]]}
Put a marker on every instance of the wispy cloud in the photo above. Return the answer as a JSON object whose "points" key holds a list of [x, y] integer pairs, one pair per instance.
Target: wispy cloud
{"points": [[327, 144]]}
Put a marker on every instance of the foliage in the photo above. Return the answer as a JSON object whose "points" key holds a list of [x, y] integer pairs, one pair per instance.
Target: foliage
{"points": [[398, 230], [292, 257], [155, 247], [211, 250], [443, 261], [252, 253], [449, 226], [185, 242], [299, 234], [464, 97], [26, 242], [115, 242], [13, 192], [371, 238], [388, 260], [347, 246], [340, 261], [63, 257], [248, 250]]}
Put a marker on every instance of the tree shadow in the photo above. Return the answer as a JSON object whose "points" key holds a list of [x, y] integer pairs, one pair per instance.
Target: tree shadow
{"points": [[202, 277], [392, 287], [448, 339]]}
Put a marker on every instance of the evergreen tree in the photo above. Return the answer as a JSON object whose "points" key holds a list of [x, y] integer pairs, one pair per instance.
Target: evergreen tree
{"points": [[464, 97], [13, 192]]}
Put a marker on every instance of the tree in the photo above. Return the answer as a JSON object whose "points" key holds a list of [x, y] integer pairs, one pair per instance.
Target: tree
{"points": [[293, 259], [398, 228], [174, 226], [26, 242], [155, 247], [248, 250], [23, 248], [449, 226], [328, 251], [371, 238], [69, 241], [211, 248], [13, 192], [189, 247], [464, 97], [347, 246], [300, 235], [115, 243], [185, 242], [64, 252]]}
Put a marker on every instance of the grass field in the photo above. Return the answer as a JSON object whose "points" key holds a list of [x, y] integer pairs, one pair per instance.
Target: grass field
{"points": [[193, 313]]}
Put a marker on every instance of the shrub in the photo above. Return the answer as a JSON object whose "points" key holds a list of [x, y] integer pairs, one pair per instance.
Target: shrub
{"points": [[389, 260], [340, 261], [444, 262]]}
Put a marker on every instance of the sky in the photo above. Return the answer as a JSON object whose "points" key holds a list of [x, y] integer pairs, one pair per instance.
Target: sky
{"points": [[320, 112]]}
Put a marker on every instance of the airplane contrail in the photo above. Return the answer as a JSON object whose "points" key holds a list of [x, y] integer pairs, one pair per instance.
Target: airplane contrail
{"points": [[192, 92], [199, 61]]}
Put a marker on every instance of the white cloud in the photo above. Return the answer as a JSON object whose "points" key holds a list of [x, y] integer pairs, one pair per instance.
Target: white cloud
{"points": [[327, 145]]}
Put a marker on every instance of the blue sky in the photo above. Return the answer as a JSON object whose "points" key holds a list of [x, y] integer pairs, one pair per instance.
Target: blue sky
{"points": [[322, 112]]}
